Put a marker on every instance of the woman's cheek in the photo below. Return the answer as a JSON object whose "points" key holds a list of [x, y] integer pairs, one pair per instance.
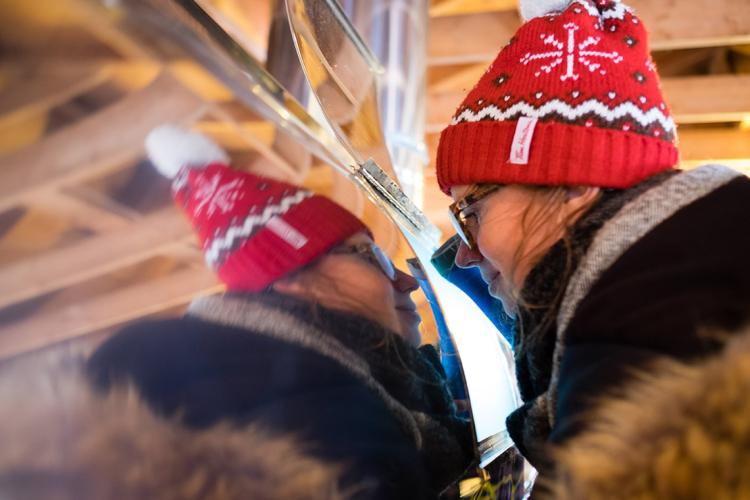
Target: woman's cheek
{"points": [[493, 248]]}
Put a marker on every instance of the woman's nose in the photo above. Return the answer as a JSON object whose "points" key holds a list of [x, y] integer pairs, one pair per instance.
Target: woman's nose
{"points": [[466, 257], [405, 282]]}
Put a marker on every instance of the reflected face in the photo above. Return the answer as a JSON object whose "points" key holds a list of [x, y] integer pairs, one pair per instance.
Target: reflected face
{"points": [[503, 250], [354, 283]]}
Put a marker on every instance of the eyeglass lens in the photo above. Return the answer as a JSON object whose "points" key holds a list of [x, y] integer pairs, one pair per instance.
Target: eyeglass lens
{"points": [[384, 262], [459, 228]]}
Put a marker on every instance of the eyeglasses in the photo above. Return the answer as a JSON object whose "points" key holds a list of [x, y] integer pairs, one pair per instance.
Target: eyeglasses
{"points": [[461, 220], [373, 254]]}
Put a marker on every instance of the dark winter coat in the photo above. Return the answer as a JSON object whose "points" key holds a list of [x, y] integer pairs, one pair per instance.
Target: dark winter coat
{"points": [[655, 268], [61, 440], [354, 392], [676, 430]]}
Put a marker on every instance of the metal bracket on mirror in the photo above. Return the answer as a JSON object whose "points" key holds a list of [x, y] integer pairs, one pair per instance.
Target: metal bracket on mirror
{"points": [[401, 206]]}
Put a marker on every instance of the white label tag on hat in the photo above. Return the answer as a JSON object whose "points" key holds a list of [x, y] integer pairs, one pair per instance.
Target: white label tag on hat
{"points": [[519, 150], [286, 232]]}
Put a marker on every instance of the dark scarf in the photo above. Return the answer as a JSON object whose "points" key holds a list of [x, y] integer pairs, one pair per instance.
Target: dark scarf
{"points": [[536, 329], [414, 377]]}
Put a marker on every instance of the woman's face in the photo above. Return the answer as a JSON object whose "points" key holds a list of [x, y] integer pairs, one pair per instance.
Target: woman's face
{"points": [[505, 249], [350, 282]]}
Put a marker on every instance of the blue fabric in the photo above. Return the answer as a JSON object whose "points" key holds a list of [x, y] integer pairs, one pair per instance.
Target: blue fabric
{"points": [[471, 283], [448, 356]]}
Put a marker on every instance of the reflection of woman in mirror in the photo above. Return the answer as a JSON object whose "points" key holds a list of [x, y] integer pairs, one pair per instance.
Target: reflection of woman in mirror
{"points": [[315, 336], [612, 262]]}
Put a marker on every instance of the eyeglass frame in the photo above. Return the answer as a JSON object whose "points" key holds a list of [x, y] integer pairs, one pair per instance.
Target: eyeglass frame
{"points": [[373, 254], [457, 209]]}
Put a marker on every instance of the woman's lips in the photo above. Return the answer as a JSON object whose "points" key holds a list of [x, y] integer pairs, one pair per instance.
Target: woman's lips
{"points": [[409, 310]]}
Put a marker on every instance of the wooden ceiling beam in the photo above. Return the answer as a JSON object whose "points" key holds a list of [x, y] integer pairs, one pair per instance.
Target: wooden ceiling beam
{"points": [[106, 311], [469, 38], [248, 21], [107, 140], [28, 23], [255, 135], [697, 99], [31, 91], [95, 256], [97, 20], [440, 8], [730, 146], [672, 25], [708, 99], [81, 213], [451, 78], [33, 233]]}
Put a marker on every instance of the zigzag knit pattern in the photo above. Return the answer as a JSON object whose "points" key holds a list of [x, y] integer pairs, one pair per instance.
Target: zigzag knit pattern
{"points": [[236, 234], [570, 113]]}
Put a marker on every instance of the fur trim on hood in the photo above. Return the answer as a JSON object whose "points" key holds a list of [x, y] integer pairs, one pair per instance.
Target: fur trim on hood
{"points": [[63, 441], [680, 431]]}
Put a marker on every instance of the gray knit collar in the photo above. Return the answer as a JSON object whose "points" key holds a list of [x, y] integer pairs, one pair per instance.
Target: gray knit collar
{"points": [[266, 319], [630, 224]]}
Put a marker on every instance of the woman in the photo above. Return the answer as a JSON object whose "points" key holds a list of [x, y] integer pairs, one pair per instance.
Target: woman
{"points": [[565, 194], [315, 337]]}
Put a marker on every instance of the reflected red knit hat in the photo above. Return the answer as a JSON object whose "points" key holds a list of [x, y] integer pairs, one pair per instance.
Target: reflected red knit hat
{"points": [[574, 98], [253, 230]]}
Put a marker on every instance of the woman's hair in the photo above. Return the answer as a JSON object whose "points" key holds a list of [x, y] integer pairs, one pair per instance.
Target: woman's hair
{"points": [[545, 203]]}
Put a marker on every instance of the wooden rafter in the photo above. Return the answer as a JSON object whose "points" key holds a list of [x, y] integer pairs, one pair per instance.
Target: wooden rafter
{"points": [[113, 137], [82, 213], [253, 137], [672, 25], [35, 90], [716, 145], [469, 38], [709, 99], [247, 21], [450, 78], [440, 8], [33, 232], [93, 257], [106, 311]]}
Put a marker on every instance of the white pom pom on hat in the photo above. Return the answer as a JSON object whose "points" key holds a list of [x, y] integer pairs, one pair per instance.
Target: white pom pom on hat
{"points": [[538, 8], [169, 148]]}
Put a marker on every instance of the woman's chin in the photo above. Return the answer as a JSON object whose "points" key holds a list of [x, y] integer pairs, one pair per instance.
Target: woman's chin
{"points": [[409, 327], [498, 290], [497, 287]]}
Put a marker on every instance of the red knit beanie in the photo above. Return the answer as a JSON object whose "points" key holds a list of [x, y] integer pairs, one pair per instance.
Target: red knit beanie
{"points": [[253, 229], [573, 99]]}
